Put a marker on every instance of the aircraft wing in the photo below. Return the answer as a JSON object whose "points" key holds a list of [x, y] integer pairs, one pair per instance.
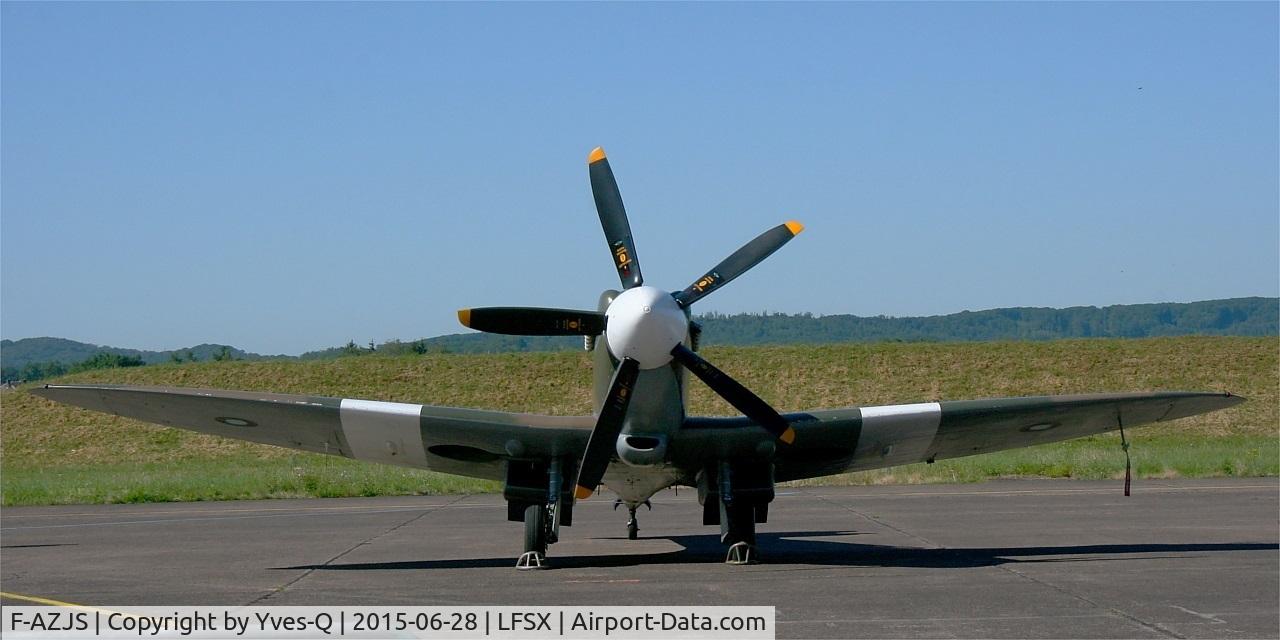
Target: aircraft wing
{"points": [[860, 438], [466, 442]]}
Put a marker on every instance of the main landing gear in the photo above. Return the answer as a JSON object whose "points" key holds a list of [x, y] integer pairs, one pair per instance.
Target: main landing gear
{"points": [[736, 497], [738, 530], [633, 526], [538, 496]]}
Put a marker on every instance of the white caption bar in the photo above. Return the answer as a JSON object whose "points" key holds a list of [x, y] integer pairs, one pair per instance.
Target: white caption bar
{"points": [[505, 623]]}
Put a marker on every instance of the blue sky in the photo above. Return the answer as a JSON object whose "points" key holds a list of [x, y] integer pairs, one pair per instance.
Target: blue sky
{"points": [[285, 177]]}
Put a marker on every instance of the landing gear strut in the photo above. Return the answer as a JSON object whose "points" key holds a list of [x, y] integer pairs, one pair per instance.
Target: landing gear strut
{"points": [[736, 496], [738, 530], [633, 525], [536, 495]]}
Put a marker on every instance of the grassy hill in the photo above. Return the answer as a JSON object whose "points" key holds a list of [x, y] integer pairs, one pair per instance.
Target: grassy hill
{"points": [[58, 454], [1227, 317]]}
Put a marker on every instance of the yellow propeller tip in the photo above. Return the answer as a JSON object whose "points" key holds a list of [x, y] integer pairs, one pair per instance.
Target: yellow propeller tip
{"points": [[794, 227], [464, 316], [788, 436], [582, 493], [597, 154]]}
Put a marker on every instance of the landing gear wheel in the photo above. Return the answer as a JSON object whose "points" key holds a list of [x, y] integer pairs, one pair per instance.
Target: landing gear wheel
{"points": [[633, 523], [535, 538]]}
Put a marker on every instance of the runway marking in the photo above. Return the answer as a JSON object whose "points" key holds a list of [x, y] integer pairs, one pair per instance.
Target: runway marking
{"points": [[108, 512], [163, 512], [284, 512], [793, 492], [1149, 625], [955, 619], [1205, 616], [370, 540], [928, 543], [166, 520], [68, 605], [39, 600], [51, 602], [289, 512], [1013, 492]]}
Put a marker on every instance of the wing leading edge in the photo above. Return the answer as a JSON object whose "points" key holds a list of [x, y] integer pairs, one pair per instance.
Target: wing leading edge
{"points": [[473, 442], [861, 438], [467, 442]]}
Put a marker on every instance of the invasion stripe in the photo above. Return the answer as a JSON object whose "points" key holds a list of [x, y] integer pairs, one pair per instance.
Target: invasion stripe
{"points": [[388, 432], [896, 434]]}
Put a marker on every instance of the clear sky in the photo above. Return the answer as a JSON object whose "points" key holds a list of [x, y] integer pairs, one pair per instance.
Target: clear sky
{"points": [[286, 177]]}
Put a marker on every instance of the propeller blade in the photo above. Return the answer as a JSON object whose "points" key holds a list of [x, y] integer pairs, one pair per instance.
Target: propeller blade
{"points": [[737, 264], [604, 437], [737, 395], [533, 321], [613, 217]]}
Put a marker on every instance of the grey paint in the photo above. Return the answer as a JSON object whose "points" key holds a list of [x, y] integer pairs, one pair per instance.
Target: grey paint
{"points": [[826, 442]]}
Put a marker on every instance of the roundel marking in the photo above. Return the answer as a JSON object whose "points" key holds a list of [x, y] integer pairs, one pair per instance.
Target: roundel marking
{"points": [[236, 422]]}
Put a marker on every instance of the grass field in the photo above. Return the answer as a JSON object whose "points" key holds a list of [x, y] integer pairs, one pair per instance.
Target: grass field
{"points": [[53, 454]]}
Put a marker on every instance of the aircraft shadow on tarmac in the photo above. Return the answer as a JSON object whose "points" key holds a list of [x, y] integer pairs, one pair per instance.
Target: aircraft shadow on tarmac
{"points": [[802, 548]]}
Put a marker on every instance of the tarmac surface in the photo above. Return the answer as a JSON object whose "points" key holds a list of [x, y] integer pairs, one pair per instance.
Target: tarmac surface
{"points": [[1027, 559]]}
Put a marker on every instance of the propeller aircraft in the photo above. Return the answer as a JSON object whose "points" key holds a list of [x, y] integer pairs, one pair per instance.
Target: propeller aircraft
{"points": [[640, 439]]}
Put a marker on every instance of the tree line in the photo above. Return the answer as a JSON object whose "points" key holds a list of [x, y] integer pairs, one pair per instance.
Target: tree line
{"points": [[40, 370]]}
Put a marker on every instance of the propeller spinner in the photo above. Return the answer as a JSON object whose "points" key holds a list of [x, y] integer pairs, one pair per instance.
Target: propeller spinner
{"points": [[644, 327], [645, 324]]}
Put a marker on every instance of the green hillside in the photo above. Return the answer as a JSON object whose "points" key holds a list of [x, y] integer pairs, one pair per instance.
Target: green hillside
{"points": [[1231, 317], [1228, 317], [54, 453]]}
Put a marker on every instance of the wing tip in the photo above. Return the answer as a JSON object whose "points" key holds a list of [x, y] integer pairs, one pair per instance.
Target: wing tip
{"points": [[1232, 399]]}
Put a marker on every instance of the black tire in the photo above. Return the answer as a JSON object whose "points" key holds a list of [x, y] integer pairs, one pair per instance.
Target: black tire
{"points": [[737, 524], [633, 530], [535, 529]]}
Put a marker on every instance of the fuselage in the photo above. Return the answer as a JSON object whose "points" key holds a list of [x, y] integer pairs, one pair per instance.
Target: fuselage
{"points": [[656, 413]]}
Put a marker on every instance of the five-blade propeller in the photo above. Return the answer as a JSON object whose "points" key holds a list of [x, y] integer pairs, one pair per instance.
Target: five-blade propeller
{"points": [[642, 326]]}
